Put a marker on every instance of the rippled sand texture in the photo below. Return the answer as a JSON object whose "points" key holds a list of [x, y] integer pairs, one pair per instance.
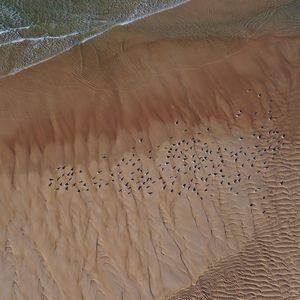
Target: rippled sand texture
{"points": [[142, 166]]}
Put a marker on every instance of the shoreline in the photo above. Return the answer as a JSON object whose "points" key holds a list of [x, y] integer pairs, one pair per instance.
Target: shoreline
{"points": [[139, 165]]}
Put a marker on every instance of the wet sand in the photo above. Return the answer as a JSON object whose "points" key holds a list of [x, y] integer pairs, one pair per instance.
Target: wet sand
{"points": [[138, 166]]}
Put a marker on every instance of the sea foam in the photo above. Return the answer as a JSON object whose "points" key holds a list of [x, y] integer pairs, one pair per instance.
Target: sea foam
{"points": [[34, 31]]}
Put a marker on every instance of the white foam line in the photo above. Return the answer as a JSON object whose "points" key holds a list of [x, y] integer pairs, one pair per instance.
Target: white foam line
{"points": [[153, 13], [45, 37], [15, 29]]}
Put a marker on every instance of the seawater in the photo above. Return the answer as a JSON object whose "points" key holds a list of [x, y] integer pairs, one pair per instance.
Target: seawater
{"points": [[32, 31]]}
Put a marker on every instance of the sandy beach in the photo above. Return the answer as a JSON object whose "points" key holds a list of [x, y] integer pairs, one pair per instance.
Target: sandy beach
{"points": [[154, 163]]}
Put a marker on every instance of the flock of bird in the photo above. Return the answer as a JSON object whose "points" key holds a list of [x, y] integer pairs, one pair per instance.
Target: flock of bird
{"points": [[193, 164]]}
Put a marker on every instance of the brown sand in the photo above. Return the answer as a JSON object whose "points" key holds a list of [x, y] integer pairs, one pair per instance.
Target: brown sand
{"points": [[140, 167]]}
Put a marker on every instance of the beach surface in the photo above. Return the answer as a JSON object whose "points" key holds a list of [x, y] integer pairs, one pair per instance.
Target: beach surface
{"points": [[158, 161]]}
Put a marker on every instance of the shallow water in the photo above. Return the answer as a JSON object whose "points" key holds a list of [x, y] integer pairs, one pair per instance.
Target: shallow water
{"points": [[32, 31]]}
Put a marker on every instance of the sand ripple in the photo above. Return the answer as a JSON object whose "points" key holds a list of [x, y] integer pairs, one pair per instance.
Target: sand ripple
{"points": [[159, 175]]}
